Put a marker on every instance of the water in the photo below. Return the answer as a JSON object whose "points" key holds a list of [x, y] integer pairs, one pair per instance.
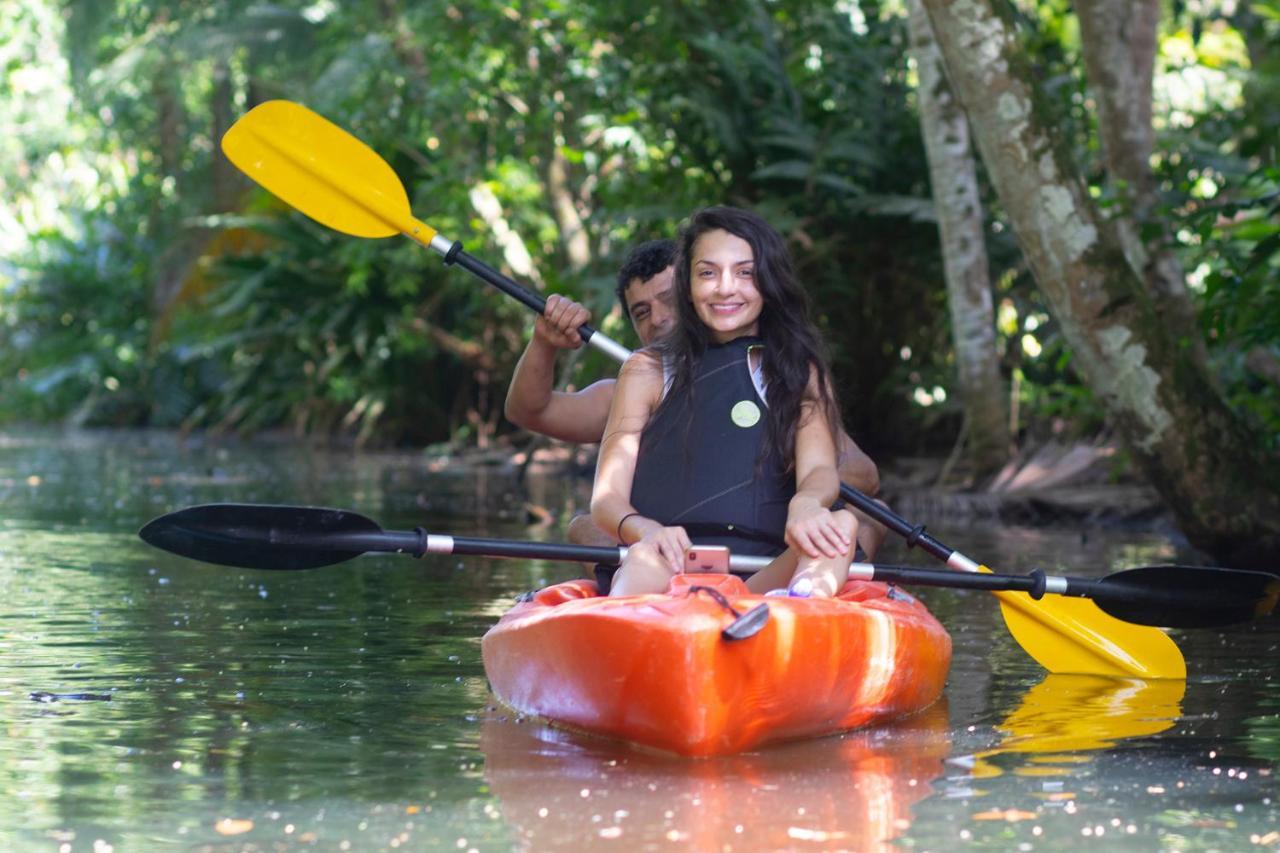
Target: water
{"points": [[149, 701]]}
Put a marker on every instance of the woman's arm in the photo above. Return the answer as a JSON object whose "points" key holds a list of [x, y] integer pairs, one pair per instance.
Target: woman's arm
{"points": [[810, 527], [655, 552], [635, 396]]}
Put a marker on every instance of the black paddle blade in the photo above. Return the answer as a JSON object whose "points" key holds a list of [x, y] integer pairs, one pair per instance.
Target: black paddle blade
{"points": [[1187, 596], [257, 536]]}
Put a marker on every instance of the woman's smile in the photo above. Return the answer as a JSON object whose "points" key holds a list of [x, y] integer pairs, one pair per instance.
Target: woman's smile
{"points": [[727, 307]]}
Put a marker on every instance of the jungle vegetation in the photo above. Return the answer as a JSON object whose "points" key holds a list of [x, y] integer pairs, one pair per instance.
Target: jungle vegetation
{"points": [[145, 282]]}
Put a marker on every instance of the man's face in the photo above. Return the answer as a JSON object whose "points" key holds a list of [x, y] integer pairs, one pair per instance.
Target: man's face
{"points": [[649, 303]]}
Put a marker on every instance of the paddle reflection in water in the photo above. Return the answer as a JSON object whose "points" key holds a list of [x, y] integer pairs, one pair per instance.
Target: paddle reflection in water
{"points": [[1066, 715], [1041, 786], [563, 790]]}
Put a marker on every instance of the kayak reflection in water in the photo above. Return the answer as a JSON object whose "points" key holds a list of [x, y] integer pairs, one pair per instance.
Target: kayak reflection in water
{"points": [[562, 790], [725, 428], [644, 293]]}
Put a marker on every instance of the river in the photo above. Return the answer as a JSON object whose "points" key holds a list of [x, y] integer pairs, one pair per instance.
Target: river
{"points": [[149, 701]]}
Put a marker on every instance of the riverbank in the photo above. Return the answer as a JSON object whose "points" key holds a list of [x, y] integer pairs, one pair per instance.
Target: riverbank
{"points": [[1069, 484], [1080, 485]]}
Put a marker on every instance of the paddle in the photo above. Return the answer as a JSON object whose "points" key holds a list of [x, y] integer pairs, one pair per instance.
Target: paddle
{"points": [[326, 173], [257, 536], [1062, 634], [331, 176]]}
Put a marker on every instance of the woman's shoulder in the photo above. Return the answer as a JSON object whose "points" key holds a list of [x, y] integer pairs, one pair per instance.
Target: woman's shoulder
{"points": [[642, 373], [642, 362]]}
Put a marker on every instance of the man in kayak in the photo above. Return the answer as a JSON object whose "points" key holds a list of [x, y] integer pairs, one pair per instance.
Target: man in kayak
{"points": [[644, 294]]}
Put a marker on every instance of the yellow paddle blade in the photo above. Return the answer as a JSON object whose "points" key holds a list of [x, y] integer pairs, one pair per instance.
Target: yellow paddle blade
{"points": [[1068, 634], [317, 167]]}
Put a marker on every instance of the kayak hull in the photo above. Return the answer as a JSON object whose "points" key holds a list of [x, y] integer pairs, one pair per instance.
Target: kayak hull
{"points": [[655, 669]]}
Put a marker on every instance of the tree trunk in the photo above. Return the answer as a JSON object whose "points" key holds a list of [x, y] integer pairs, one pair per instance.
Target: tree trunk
{"points": [[1118, 44], [573, 229], [172, 262], [226, 178], [1156, 390], [954, 178], [168, 123]]}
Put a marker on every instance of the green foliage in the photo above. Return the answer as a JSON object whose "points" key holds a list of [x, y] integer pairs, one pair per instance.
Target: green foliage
{"points": [[594, 126], [76, 330], [315, 333], [1240, 274], [1221, 188]]}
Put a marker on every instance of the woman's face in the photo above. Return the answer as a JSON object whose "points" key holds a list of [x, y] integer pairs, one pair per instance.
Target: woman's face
{"points": [[723, 286]]}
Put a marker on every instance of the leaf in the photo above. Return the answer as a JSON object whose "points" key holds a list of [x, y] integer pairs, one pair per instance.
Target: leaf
{"points": [[1263, 252], [232, 826], [838, 183], [240, 294], [799, 143], [46, 381], [853, 152], [918, 209], [799, 170]]}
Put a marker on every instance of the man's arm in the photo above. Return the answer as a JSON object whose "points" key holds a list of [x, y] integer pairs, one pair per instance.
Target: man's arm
{"points": [[532, 401], [856, 467]]}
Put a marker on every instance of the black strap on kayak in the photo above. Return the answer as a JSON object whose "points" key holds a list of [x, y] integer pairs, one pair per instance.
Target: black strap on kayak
{"points": [[744, 625]]}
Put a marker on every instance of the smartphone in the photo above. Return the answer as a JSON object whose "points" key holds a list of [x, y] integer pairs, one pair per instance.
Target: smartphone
{"points": [[707, 558]]}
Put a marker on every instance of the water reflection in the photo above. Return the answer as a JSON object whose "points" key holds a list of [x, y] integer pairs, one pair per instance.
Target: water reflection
{"points": [[1077, 758], [562, 790], [1066, 715]]}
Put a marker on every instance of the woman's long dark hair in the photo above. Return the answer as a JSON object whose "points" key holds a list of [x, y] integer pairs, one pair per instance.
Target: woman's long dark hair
{"points": [[792, 344]]}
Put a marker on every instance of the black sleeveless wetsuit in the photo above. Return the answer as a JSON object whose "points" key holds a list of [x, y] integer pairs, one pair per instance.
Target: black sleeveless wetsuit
{"points": [[700, 464]]}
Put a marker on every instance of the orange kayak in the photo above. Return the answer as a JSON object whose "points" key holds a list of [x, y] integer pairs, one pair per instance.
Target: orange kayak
{"points": [[655, 669]]}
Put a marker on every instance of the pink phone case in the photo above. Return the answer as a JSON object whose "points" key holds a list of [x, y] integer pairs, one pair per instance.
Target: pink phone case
{"points": [[707, 558]]}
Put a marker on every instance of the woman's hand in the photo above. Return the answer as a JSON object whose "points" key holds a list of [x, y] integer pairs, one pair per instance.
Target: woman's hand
{"points": [[812, 530], [661, 546]]}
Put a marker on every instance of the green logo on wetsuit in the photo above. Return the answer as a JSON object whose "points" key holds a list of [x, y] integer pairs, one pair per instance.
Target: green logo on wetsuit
{"points": [[745, 414]]}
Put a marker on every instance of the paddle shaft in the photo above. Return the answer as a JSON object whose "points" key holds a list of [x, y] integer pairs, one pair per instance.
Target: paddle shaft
{"points": [[419, 542], [454, 254], [1195, 598], [914, 535]]}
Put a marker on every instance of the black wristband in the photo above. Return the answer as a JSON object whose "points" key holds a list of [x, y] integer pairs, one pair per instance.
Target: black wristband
{"points": [[621, 522]]}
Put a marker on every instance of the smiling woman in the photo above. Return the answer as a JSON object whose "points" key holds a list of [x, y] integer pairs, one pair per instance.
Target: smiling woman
{"points": [[724, 292], [725, 430]]}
